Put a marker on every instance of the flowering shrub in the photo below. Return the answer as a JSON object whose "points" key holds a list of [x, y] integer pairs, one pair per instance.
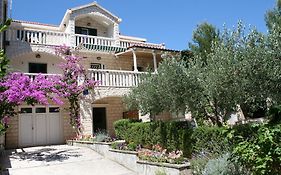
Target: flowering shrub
{"points": [[158, 154], [84, 137], [17, 88], [126, 146], [73, 83], [62, 50]]}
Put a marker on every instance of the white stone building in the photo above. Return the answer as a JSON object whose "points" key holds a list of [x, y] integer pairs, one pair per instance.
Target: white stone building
{"points": [[116, 60]]}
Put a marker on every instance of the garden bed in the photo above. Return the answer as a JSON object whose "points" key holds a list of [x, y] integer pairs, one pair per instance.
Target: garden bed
{"points": [[131, 160]]}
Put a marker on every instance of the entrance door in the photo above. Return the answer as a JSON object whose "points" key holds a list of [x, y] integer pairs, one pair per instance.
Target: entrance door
{"points": [[99, 119]]}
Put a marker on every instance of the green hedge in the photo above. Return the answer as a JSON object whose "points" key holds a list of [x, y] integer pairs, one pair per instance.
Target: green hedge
{"points": [[173, 135], [210, 141]]}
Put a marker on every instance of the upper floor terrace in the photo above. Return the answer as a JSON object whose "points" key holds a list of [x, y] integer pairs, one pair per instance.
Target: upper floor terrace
{"points": [[89, 26]]}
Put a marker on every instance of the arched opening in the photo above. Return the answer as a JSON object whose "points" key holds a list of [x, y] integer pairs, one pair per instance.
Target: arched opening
{"points": [[94, 24]]}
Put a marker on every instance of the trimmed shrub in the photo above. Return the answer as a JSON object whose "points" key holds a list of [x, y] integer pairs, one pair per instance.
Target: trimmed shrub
{"points": [[172, 135], [121, 127], [209, 141]]}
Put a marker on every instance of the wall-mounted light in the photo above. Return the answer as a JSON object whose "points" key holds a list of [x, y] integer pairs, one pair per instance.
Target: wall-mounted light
{"points": [[98, 58], [37, 55]]}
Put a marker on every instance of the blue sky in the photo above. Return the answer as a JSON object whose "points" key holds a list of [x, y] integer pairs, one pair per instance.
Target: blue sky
{"points": [[169, 22]]}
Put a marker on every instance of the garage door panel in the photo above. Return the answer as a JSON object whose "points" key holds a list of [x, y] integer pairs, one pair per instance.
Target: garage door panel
{"points": [[41, 129], [26, 130], [55, 129]]}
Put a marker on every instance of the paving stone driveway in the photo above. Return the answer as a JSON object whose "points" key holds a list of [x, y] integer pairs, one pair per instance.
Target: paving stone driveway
{"points": [[59, 160]]}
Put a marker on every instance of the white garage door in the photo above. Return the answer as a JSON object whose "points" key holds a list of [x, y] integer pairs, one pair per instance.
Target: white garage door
{"points": [[40, 125]]}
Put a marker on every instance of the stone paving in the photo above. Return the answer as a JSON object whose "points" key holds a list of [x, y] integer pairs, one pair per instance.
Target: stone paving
{"points": [[59, 160]]}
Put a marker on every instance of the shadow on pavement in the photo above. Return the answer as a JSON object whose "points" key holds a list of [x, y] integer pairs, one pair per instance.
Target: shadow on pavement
{"points": [[45, 154]]}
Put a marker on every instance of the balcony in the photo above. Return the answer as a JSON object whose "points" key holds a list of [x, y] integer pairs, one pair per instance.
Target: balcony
{"points": [[107, 78], [113, 78], [41, 37], [33, 75]]}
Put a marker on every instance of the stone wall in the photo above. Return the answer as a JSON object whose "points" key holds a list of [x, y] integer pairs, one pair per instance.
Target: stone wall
{"points": [[114, 111], [12, 134]]}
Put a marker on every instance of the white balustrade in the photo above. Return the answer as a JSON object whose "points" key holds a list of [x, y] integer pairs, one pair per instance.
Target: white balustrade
{"points": [[114, 78], [33, 75], [38, 36], [94, 40], [45, 37]]}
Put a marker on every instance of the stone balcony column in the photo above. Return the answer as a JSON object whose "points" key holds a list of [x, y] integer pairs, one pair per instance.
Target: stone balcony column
{"points": [[154, 61], [135, 60]]}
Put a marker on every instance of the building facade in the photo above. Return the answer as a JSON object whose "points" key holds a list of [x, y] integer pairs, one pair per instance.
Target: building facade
{"points": [[116, 60]]}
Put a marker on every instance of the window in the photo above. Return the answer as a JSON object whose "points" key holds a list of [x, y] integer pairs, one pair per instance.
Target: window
{"points": [[86, 31], [25, 110], [40, 110], [37, 68], [54, 110], [97, 66]]}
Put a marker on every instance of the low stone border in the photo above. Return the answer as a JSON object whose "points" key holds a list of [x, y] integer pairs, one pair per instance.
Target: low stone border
{"points": [[131, 160]]}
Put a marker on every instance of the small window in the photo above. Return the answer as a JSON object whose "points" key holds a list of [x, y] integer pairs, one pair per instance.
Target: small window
{"points": [[26, 110], [38, 68], [96, 66], [40, 110], [54, 110]]}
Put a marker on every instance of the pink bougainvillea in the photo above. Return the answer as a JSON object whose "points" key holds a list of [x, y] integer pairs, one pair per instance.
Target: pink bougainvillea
{"points": [[17, 88], [73, 83]]}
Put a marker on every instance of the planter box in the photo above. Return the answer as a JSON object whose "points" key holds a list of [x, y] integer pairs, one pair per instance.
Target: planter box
{"points": [[125, 158], [147, 168], [130, 159], [100, 147]]}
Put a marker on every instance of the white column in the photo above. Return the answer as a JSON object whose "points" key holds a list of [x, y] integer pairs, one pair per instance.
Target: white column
{"points": [[135, 60], [154, 60]]}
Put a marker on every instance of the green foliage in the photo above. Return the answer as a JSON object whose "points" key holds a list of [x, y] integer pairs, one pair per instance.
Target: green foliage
{"points": [[3, 59], [121, 127], [3, 64], [3, 129], [261, 153], [170, 135], [209, 141], [198, 164], [102, 137], [273, 17], [160, 172], [203, 38], [5, 26], [132, 146], [223, 166]]}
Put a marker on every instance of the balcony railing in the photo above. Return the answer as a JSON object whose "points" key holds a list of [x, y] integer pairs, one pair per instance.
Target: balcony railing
{"points": [[107, 78], [113, 78], [38, 36], [73, 40], [94, 40], [33, 75]]}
